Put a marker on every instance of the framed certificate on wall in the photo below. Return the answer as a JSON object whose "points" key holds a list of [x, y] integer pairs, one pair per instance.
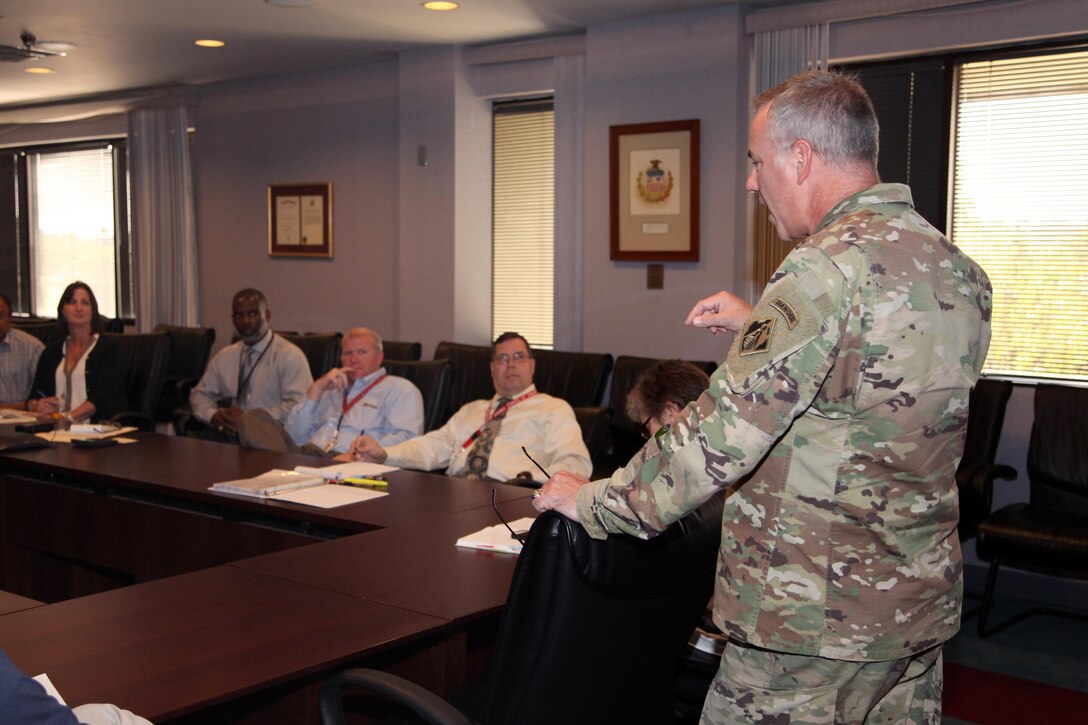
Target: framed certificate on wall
{"points": [[300, 220]]}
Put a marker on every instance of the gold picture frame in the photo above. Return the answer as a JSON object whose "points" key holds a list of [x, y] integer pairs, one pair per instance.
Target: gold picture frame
{"points": [[300, 220], [654, 191]]}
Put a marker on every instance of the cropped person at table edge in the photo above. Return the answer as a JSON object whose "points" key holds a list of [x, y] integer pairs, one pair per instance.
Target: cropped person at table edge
{"points": [[81, 376], [19, 353], [260, 370], [840, 410], [484, 439], [342, 404]]}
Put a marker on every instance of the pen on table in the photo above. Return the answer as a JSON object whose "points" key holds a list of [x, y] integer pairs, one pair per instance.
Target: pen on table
{"points": [[378, 483]]}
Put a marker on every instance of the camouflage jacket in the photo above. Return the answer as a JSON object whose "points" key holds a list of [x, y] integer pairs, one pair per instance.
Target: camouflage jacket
{"points": [[839, 415]]}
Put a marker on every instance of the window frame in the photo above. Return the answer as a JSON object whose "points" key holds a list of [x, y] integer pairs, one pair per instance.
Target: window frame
{"points": [[951, 61], [14, 214], [510, 106]]}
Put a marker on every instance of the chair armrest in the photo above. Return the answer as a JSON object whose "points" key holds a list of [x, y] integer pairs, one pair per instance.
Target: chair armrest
{"points": [[183, 386], [981, 479], [184, 420], [976, 494], [429, 706]]}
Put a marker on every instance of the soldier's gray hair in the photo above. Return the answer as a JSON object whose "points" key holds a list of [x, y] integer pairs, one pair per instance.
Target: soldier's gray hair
{"points": [[831, 111]]}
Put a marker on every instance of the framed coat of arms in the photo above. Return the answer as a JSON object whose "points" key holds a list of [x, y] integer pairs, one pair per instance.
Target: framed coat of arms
{"points": [[654, 191]]}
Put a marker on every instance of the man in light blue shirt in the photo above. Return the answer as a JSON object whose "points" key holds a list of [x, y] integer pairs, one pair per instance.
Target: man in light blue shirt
{"points": [[19, 353], [358, 397]]}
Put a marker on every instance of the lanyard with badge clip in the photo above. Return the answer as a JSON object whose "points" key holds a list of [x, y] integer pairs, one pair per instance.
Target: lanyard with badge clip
{"points": [[241, 364], [348, 405], [492, 415]]}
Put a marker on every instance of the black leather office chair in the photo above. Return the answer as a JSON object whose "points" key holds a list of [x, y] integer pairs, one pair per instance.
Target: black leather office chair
{"points": [[594, 421], [148, 355], [471, 374], [190, 348], [396, 350], [577, 377], [433, 378], [977, 471], [322, 349], [1049, 533], [592, 632]]}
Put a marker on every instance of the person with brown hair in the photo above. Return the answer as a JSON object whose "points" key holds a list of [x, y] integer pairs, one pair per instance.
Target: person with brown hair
{"points": [[81, 376]]}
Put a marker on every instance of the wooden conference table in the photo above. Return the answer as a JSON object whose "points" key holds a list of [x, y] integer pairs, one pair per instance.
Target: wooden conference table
{"points": [[187, 606]]}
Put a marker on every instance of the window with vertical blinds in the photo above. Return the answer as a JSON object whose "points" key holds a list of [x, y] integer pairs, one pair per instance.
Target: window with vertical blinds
{"points": [[1020, 205], [523, 214]]}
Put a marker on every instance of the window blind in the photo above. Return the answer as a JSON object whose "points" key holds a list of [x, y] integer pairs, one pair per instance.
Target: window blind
{"points": [[523, 214], [1020, 206], [71, 215]]}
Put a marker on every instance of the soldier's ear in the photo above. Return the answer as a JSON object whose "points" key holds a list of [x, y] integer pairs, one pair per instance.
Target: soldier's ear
{"points": [[668, 415], [801, 156]]}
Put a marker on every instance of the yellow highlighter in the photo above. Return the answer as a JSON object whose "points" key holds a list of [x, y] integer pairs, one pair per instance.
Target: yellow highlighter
{"points": [[376, 483]]}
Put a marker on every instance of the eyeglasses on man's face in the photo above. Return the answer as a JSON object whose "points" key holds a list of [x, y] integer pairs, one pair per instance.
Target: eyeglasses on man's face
{"points": [[658, 432], [505, 359]]}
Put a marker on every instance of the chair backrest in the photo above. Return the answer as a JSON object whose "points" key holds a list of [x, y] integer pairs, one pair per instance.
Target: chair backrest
{"points": [[190, 348], [594, 422], [1058, 453], [148, 355], [985, 417], [322, 349], [397, 350], [471, 374], [43, 328], [625, 437], [577, 377], [433, 378], [593, 630]]}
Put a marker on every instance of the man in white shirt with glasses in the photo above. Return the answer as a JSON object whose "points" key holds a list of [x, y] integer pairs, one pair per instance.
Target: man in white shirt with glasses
{"points": [[484, 439]]}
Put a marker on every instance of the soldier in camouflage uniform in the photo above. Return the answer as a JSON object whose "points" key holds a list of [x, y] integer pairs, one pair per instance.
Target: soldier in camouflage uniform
{"points": [[841, 411]]}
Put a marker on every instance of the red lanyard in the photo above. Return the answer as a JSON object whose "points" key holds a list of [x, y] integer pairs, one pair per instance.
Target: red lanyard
{"points": [[492, 415], [348, 406]]}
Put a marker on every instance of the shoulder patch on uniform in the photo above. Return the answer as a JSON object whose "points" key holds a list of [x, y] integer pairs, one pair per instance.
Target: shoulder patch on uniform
{"points": [[762, 343], [786, 310], [756, 337]]}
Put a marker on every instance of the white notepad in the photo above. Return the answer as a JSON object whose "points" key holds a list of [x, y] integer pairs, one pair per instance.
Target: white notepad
{"points": [[497, 538], [269, 483]]}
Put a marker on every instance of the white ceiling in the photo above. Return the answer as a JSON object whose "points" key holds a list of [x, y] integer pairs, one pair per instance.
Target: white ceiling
{"points": [[130, 44]]}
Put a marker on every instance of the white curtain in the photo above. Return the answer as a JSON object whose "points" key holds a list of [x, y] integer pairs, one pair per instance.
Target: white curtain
{"points": [[569, 143], [163, 218]]}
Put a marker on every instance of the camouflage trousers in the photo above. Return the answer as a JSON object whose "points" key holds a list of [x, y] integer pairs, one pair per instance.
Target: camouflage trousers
{"points": [[774, 688]]}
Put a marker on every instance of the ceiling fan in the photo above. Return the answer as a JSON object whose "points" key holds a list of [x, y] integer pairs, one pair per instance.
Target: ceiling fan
{"points": [[32, 49]]}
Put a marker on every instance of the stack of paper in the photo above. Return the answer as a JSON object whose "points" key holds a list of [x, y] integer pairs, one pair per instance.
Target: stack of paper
{"points": [[346, 469], [497, 538], [16, 417], [85, 432], [269, 483]]}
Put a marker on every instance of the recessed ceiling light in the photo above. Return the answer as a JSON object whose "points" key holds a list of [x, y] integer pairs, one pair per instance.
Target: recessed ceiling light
{"points": [[209, 43], [441, 5], [292, 3], [39, 70]]}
